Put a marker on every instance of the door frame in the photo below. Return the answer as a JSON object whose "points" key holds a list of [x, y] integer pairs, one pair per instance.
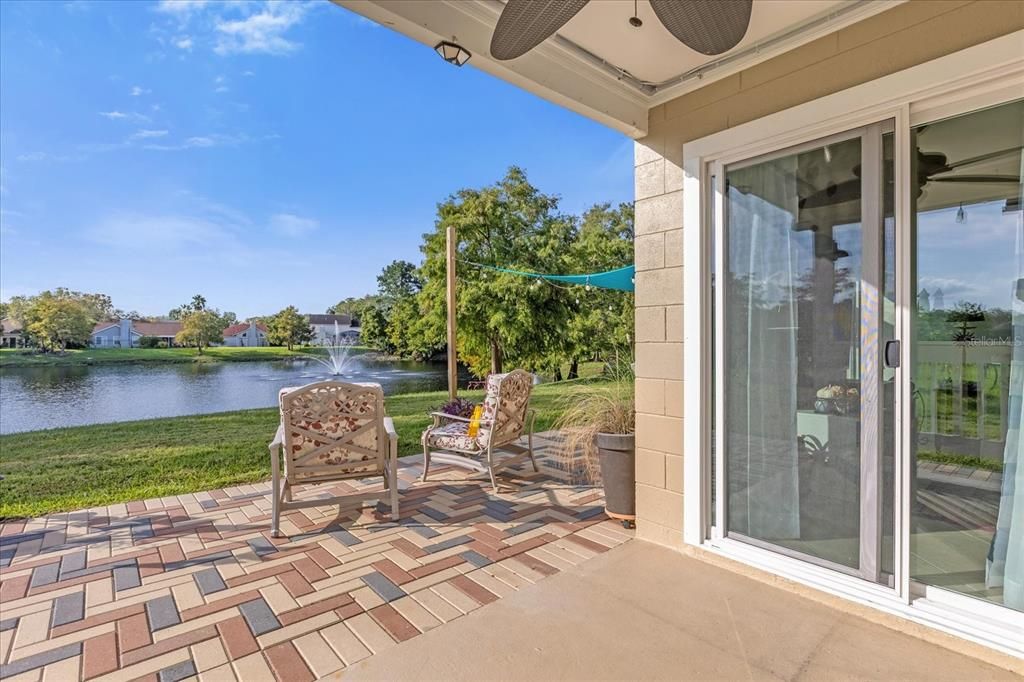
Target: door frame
{"points": [[976, 77]]}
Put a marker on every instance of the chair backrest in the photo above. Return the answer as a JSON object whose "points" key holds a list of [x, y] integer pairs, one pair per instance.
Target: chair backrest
{"points": [[506, 403], [333, 430]]}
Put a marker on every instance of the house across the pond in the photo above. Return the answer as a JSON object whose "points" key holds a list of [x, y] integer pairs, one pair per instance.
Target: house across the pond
{"points": [[246, 334], [332, 329], [128, 333], [11, 334]]}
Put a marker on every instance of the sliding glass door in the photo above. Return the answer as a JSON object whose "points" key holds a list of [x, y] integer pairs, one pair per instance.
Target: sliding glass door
{"points": [[967, 515], [806, 306]]}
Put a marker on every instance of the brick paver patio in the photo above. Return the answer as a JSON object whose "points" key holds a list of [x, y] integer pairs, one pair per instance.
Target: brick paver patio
{"points": [[194, 586]]}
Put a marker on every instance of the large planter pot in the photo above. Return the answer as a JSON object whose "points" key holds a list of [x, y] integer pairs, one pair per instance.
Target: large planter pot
{"points": [[617, 456]]}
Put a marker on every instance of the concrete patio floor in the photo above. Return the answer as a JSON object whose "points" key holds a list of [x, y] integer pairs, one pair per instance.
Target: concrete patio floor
{"points": [[642, 612]]}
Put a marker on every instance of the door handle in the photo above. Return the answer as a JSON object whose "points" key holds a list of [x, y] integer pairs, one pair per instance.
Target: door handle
{"points": [[892, 354]]}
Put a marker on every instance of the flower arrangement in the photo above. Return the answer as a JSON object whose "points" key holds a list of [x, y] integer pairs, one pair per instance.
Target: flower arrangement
{"points": [[460, 407]]}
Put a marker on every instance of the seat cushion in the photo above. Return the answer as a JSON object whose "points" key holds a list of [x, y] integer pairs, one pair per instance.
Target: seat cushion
{"points": [[450, 436]]}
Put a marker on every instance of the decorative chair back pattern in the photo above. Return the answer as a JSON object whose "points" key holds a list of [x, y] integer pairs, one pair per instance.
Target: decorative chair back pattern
{"points": [[506, 403], [333, 429]]}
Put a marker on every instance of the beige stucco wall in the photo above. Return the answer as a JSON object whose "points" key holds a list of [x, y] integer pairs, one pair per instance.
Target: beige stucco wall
{"points": [[904, 36]]}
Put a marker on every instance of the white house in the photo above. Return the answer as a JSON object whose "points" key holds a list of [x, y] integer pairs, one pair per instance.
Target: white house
{"points": [[126, 333], [246, 334], [330, 329], [11, 334]]}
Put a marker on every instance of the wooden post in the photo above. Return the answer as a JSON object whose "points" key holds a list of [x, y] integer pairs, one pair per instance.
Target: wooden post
{"points": [[453, 372]]}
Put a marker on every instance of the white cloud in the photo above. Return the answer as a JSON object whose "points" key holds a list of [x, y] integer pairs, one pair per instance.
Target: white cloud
{"points": [[180, 8], [122, 116], [291, 225], [47, 157], [200, 142], [261, 33], [148, 134], [183, 43], [222, 88], [139, 90], [248, 73]]}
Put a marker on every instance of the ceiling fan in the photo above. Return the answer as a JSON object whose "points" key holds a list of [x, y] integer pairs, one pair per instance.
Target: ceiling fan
{"points": [[708, 26], [931, 167]]}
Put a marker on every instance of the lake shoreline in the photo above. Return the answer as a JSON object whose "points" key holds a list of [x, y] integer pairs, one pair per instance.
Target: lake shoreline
{"points": [[10, 358]]}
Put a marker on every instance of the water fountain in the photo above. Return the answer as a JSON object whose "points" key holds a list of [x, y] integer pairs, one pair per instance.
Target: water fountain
{"points": [[337, 353]]}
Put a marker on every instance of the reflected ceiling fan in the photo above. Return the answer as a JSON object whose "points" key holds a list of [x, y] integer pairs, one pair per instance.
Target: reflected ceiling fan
{"points": [[930, 167], [708, 26]]}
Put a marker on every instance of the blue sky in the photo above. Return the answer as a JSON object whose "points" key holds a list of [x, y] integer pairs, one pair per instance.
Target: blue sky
{"points": [[261, 154]]}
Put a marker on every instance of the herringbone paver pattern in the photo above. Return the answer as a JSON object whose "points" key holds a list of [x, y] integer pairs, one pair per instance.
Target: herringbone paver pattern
{"points": [[194, 587]]}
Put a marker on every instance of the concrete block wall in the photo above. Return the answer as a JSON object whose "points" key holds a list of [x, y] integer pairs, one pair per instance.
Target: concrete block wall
{"points": [[908, 34]]}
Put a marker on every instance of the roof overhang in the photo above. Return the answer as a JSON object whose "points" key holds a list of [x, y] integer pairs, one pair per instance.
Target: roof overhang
{"points": [[596, 67]]}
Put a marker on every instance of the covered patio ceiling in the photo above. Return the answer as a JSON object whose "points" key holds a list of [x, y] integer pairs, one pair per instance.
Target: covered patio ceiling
{"points": [[602, 67]]}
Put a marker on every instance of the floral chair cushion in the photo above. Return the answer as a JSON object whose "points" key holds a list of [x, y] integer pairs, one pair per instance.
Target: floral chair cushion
{"points": [[450, 436]]}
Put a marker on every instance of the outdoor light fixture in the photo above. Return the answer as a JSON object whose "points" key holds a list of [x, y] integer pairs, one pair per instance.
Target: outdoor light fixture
{"points": [[452, 53]]}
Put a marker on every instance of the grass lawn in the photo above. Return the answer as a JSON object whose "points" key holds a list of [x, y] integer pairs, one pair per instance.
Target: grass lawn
{"points": [[86, 466], [95, 356]]}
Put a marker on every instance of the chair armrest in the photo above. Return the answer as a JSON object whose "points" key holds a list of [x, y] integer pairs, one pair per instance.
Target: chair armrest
{"points": [[278, 438], [455, 418], [389, 427]]}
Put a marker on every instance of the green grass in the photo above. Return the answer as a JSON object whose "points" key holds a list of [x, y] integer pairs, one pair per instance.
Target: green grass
{"points": [[64, 469], [971, 461], [100, 356]]}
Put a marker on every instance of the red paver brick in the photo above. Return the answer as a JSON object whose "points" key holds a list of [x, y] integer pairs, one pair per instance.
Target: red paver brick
{"points": [[219, 605], [527, 545], [434, 567], [295, 583], [237, 638], [171, 552], [393, 622], [167, 645], [287, 664], [536, 564], [315, 609], [14, 588], [99, 655], [588, 544], [473, 589], [323, 558], [349, 610], [258, 575], [408, 548], [310, 570], [392, 571], [133, 632]]}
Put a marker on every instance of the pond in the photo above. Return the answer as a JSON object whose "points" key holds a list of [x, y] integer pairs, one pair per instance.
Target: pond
{"points": [[49, 397]]}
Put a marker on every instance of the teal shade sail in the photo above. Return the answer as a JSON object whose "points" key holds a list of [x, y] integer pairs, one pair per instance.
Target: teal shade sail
{"points": [[620, 279]]}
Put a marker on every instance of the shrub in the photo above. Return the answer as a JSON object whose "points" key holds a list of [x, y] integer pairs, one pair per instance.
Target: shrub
{"points": [[149, 342]]}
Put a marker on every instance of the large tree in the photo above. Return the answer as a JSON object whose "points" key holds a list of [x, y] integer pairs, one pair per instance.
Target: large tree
{"points": [[57, 319], [200, 328], [289, 328], [502, 318], [399, 280]]}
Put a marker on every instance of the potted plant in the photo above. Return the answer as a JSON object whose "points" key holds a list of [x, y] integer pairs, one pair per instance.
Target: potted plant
{"points": [[599, 429]]}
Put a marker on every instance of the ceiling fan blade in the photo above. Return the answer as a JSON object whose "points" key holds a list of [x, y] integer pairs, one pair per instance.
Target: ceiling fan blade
{"points": [[707, 26], [978, 178], [848, 190], [525, 24], [976, 159]]}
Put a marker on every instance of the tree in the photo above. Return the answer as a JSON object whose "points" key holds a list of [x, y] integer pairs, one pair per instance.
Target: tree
{"points": [[56, 319], [502, 317], [200, 328], [197, 304], [398, 280], [353, 307], [289, 328], [373, 330]]}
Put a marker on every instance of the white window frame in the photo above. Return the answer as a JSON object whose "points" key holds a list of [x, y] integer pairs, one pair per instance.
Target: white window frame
{"points": [[971, 79]]}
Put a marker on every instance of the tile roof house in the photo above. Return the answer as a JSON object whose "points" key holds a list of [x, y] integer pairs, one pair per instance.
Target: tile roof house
{"points": [[246, 334], [126, 333], [11, 333]]}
